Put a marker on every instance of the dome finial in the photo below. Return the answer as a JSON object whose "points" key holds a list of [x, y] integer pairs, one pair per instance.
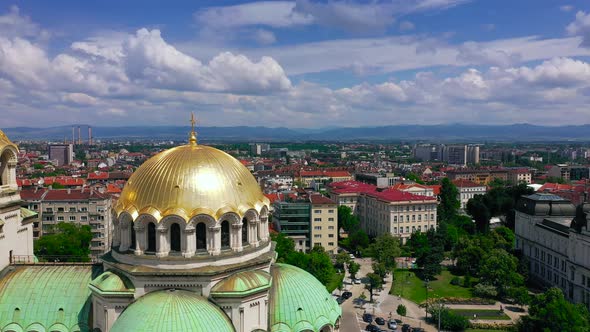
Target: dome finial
{"points": [[192, 139]]}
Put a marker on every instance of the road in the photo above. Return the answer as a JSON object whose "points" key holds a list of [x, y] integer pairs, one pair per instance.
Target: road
{"points": [[384, 304]]}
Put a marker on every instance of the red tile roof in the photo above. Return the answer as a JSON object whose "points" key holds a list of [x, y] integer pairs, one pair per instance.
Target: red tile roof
{"points": [[550, 187], [112, 189], [462, 183], [32, 194], [350, 187], [73, 195], [319, 199], [394, 195], [98, 176]]}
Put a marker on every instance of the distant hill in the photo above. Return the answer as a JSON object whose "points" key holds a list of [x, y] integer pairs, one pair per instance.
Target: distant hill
{"points": [[448, 132]]}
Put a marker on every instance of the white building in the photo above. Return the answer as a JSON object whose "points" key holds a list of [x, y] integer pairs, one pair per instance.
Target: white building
{"points": [[554, 236], [16, 227], [468, 190]]}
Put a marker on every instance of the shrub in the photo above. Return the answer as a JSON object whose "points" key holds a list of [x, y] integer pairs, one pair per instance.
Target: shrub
{"points": [[467, 281], [485, 290], [456, 281], [401, 310], [448, 320]]}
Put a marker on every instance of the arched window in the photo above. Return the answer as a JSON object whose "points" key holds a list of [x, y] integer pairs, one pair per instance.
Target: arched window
{"points": [[4, 171], [133, 240], [201, 236], [244, 232], [151, 240], [175, 237], [225, 235]]}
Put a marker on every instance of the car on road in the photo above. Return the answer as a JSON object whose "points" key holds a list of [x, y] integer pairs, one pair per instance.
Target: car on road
{"points": [[372, 328], [346, 295], [392, 325], [417, 329], [357, 281], [340, 300], [406, 328], [380, 321], [351, 256], [368, 318]]}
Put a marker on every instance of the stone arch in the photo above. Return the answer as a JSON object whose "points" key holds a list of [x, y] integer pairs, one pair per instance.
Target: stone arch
{"points": [[235, 225], [166, 228], [35, 327], [225, 234], [125, 226], [203, 237], [141, 227], [253, 224], [12, 327], [263, 224], [151, 238], [175, 237], [8, 159]]}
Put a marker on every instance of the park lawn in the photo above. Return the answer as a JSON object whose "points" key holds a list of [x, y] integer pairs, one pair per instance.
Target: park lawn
{"points": [[412, 288], [483, 314]]}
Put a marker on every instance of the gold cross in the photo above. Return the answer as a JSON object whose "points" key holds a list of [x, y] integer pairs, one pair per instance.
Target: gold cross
{"points": [[193, 121]]}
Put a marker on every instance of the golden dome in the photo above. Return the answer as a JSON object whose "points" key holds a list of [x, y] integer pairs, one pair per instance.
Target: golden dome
{"points": [[189, 180]]}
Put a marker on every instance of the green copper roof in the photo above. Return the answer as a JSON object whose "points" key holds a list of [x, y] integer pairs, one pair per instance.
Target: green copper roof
{"points": [[172, 311], [112, 284], [242, 284], [298, 301], [45, 298], [26, 213]]}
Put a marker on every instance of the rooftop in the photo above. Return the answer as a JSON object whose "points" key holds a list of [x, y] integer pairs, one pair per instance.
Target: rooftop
{"points": [[319, 199]]}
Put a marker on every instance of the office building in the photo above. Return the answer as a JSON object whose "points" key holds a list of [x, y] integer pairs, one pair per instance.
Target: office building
{"points": [[61, 154], [324, 223]]}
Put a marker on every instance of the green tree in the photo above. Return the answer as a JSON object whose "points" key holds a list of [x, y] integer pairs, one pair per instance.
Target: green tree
{"points": [[320, 265], [346, 219], [449, 202], [449, 321], [479, 211], [384, 249], [499, 269], [380, 270], [520, 295], [353, 269], [401, 310], [414, 177], [284, 246], [374, 283], [342, 258], [552, 312], [70, 241], [358, 240]]}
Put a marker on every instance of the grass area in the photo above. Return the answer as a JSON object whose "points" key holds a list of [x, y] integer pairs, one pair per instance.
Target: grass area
{"points": [[411, 287], [485, 314], [482, 330], [336, 280]]}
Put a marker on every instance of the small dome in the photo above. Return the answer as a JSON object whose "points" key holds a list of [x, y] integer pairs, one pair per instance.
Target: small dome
{"points": [[189, 180], [111, 283], [298, 301], [172, 311], [242, 284], [5, 141]]}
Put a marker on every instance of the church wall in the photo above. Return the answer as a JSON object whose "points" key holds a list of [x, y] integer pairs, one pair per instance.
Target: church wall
{"points": [[247, 314]]}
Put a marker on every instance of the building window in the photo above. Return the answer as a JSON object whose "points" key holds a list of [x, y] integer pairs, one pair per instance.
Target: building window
{"points": [[225, 234], [317, 236], [407, 229], [317, 228], [151, 237], [394, 230], [413, 217], [72, 218], [60, 209], [317, 219], [83, 218], [330, 211], [330, 235], [60, 218], [175, 237], [330, 219], [72, 209], [84, 209], [395, 218], [432, 216], [330, 243], [317, 211]]}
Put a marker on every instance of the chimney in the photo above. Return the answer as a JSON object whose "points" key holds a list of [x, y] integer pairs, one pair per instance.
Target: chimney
{"points": [[79, 136], [69, 191], [73, 135], [89, 135]]}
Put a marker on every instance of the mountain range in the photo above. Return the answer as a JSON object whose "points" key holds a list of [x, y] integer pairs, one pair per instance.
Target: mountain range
{"points": [[446, 132]]}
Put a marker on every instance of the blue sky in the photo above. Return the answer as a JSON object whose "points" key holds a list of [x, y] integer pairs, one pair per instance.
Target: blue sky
{"points": [[299, 63]]}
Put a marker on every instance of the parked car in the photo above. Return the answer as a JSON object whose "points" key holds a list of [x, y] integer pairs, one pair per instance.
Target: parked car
{"points": [[380, 321], [417, 329], [392, 325], [406, 328], [347, 295], [340, 300], [357, 281], [368, 318], [372, 328], [351, 256]]}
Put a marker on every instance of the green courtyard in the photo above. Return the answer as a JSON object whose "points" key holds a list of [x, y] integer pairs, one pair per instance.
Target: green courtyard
{"points": [[409, 286]]}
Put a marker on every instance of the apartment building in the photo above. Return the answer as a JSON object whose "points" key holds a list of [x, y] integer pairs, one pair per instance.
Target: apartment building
{"points": [[479, 176], [324, 223], [569, 172], [62, 154], [520, 175], [292, 219], [80, 206], [554, 236], [380, 180], [390, 210]]}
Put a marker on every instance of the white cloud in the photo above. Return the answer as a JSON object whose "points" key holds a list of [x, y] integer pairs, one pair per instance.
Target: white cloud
{"points": [[406, 26], [277, 14], [477, 53], [581, 27], [13, 24], [264, 37], [79, 99], [566, 8]]}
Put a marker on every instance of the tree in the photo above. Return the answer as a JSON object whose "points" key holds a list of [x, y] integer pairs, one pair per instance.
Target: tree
{"points": [[358, 239], [520, 295], [449, 202], [284, 246], [320, 265], [449, 321], [385, 249], [342, 258], [552, 312], [380, 270], [346, 219], [429, 252], [401, 310], [374, 282], [353, 269], [414, 177], [70, 241], [499, 269], [479, 211], [431, 263]]}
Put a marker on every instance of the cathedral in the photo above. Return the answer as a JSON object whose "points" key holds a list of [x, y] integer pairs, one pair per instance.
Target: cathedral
{"points": [[191, 252]]}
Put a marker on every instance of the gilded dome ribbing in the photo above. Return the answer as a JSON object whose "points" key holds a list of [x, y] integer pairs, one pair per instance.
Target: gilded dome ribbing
{"points": [[189, 180]]}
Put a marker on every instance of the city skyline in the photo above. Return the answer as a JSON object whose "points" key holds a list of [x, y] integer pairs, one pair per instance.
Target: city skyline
{"points": [[297, 64]]}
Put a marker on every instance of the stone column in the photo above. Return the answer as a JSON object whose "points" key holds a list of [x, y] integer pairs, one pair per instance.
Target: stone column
{"points": [[190, 242], [140, 244], [236, 237], [125, 236], [162, 247], [264, 228], [116, 235], [214, 240], [253, 232]]}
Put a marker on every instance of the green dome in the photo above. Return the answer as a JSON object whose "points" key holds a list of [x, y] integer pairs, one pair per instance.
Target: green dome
{"points": [[298, 301], [110, 283], [172, 311], [242, 284]]}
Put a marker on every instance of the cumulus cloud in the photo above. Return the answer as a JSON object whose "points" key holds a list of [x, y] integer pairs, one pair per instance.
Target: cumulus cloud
{"points": [[79, 99], [14, 24], [476, 53], [581, 27]]}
